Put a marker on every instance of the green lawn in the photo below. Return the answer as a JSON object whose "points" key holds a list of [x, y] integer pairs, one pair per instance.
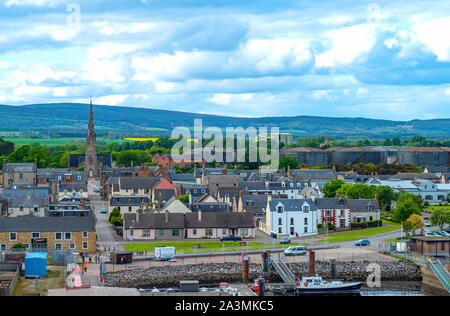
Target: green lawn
{"points": [[386, 222], [359, 234], [205, 246], [437, 207]]}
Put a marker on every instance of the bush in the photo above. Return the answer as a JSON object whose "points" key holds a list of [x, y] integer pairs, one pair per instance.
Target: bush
{"points": [[331, 226], [360, 225], [320, 226], [117, 220], [376, 223], [19, 245]]}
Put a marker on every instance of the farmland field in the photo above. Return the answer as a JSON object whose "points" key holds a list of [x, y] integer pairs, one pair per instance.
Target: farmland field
{"points": [[58, 141]]}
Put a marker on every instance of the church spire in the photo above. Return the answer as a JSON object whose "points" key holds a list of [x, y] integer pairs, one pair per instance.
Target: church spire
{"points": [[91, 118]]}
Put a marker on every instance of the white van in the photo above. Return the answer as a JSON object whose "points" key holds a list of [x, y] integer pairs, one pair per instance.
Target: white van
{"points": [[295, 251], [164, 253]]}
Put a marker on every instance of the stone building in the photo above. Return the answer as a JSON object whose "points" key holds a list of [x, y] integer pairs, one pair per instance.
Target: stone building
{"points": [[39, 233]]}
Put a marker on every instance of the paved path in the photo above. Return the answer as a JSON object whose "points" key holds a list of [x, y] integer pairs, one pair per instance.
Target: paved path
{"points": [[105, 231]]}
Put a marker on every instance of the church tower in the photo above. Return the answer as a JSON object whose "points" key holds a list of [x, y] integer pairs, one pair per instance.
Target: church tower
{"points": [[92, 167]]}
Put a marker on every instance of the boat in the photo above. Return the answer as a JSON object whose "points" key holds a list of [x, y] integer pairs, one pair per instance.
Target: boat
{"points": [[317, 286]]}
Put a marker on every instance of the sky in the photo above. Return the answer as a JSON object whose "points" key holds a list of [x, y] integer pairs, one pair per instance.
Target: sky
{"points": [[247, 58]]}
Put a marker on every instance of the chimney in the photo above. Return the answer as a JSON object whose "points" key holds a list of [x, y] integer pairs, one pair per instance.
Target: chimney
{"points": [[199, 213], [166, 216]]}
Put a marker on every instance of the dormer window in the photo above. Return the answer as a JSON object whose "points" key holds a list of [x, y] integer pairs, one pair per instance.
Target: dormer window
{"points": [[283, 184], [305, 208], [280, 209], [291, 185]]}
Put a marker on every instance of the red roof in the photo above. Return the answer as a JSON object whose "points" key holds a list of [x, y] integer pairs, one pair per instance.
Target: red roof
{"points": [[165, 185]]}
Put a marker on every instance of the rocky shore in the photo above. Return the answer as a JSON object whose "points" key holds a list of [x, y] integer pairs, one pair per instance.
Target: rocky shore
{"points": [[214, 273]]}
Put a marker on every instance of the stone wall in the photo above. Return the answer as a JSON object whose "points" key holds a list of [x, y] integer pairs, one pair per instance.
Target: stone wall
{"points": [[214, 273]]}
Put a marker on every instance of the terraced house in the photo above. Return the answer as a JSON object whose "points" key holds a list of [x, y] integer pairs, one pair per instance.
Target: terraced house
{"points": [[40, 233]]}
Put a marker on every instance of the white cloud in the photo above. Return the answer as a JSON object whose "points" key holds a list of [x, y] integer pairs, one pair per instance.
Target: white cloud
{"points": [[434, 34], [111, 99], [347, 44], [37, 3]]}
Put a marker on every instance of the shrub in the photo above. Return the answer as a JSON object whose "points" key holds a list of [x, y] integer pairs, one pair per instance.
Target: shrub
{"points": [[360, 225], [376, 223], [19, 245]]}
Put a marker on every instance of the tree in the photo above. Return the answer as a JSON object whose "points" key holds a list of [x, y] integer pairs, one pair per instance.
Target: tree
{"points": [[403, 196], [330, 188], [416, 222], [385, 196], [356, 191], [440, 217], [404, 210], [184, 198], [6, 147], [288, 161]]}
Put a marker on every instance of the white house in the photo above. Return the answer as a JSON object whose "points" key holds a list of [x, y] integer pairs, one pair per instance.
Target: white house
{"points": [[290, 217]]}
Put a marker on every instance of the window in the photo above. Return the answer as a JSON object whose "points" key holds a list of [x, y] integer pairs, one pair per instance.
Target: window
{"points": [[194, 232], [279, 230], [67, 236], [58, 246], [85, 234], [328, 212], [306, 209], [280, 221], [85, 245], [161, 232], [129, 209], [244, 232], [442, 246], [342, 212], [280, 209], [58, 236], [2, 247], [306, 221], [175, 232], [72, 246], [224, 231], [12, 236], [292, 231], [292, 221], [306, 229], [35, 235]]}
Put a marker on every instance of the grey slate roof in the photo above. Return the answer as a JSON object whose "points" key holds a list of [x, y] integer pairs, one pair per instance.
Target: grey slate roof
{"points": [[314, 174], [189, 220], [17, 201], [332, 203], [155, 221], [219, 220], [127, 200], [46, 224], [139, 182], [363, 205], [20, 167], [73, 186], [292, 205]]}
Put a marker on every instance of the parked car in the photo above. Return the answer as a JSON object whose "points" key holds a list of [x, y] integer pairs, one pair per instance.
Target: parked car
{"points": [[427, 223], [230, 238], [443, 233], [363, 242], [285, 240], [295, 251], [103, 211]]}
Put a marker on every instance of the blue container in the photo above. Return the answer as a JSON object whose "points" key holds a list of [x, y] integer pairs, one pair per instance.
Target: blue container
{"points": [[36, 264], [393, 247]]}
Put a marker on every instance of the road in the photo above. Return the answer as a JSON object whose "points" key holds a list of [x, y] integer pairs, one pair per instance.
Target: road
{"points": [[105, 231]]}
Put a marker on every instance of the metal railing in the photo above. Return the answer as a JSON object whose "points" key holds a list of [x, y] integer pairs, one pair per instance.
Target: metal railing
{"points": [[286, 268], [443, 268], [440, 274]]}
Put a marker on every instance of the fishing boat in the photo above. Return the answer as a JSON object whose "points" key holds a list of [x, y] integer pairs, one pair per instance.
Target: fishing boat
{"points": [[317, 286]]}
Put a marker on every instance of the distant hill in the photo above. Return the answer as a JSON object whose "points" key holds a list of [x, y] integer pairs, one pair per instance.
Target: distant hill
{"points": [[72, 118]]}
